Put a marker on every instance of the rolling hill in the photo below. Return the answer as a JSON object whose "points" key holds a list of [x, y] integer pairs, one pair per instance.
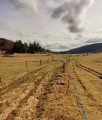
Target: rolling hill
{"points": [[93, 48]]}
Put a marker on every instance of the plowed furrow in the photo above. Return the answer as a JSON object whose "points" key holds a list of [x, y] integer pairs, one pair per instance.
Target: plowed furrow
{"points": [[89, 70], [24, 100]]}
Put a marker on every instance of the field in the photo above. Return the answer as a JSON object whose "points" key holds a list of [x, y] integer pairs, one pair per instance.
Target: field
{"points": [[42, 87]]}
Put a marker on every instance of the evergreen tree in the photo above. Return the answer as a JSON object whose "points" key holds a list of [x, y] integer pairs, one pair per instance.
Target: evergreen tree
{"points": [[19, 47]]}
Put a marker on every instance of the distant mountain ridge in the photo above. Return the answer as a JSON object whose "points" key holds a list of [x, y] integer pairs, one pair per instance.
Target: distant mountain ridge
{"points": [[93, 48]]}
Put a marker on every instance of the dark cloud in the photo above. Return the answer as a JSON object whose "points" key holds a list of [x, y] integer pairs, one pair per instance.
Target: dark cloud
{"points": [[70, 13]]}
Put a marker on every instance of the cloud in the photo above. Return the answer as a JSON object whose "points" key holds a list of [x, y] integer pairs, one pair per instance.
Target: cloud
{"points": [[51, 4], [57, 47], [94, 40], [63, 47], [3, 26], [23, 6], [49, 32], [99, 31], [71, 12]]}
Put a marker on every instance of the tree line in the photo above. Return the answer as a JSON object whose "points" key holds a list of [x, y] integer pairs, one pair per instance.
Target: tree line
{"points": [[19, 47]]}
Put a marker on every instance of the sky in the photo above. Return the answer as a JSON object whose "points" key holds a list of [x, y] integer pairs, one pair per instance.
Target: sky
{"points": [[58, 25]]}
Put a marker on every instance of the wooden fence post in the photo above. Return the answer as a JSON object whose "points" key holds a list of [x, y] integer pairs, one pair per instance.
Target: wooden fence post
{"points": [[0, 78], [68, 83], [64, 67], [27, 66], [52, 58], [0, 81], [67, 87], [40, 62]]}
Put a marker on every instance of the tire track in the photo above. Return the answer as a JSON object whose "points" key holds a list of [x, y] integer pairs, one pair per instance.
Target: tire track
{"points": [[88, 69], [89, 95], [14, 112], [39, 92], [21, 81], [90, 101], [32, 74], [83, 86], [24, 79], [74, 105]]}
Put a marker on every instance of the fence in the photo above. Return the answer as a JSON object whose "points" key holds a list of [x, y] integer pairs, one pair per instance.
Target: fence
{"points": [[70, 78]]}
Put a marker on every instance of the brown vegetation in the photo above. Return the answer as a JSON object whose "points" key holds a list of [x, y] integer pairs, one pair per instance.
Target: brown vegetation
{"points": [[38, 94]]}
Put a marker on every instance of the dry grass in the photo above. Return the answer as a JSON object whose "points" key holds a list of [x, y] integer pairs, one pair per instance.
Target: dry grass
{"points": [[38, 94], [14, 67]]}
